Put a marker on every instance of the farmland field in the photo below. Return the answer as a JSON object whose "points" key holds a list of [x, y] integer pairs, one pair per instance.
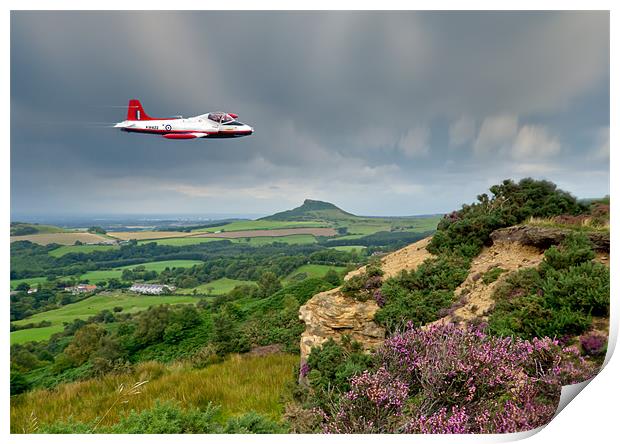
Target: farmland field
{"points": [[66, 249], [253, 241], [88, 307], [179, 241], [359, 248], [219, 286], [244, 225], [30, 281], [160, 266], [61, 238], [313, 270], [96, 276], [272, 233], [143, 235]]}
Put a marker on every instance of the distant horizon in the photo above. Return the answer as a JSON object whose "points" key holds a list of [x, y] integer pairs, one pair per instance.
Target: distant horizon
{"points": [[195, 217]]}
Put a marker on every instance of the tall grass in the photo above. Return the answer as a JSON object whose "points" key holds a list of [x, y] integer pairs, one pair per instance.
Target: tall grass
{"points": [[239, 384], [585, 224]]}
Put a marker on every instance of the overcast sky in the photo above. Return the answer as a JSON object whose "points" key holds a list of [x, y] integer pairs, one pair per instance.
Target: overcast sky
{"points": [[380, 113]]}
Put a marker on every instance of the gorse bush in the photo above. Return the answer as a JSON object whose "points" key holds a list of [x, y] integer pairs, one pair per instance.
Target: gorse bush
{"points": [[330, 367], [492, 275], [558, 298], [418, 296], [169, 418], [451, 380], [465, 231]]}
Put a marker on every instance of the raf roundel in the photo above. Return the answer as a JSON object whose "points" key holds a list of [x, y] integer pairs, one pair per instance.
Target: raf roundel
{"points": [[168, 127]]}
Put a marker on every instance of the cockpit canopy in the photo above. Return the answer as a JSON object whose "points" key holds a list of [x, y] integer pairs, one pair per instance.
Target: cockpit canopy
{"points": [[221, 117]]}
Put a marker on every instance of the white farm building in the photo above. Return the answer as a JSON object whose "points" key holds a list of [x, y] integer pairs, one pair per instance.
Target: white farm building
{"points": [[151, 288]]}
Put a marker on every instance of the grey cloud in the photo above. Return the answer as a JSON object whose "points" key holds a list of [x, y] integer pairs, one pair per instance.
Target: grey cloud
{"points": [[360, 108]]}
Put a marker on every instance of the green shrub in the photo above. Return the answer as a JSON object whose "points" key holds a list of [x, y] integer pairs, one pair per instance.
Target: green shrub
{"points": [[253, 422], [168, 417], [332, 365], [558, 298], [492, 275], [575, 249], [465, 231], [419, 295]]}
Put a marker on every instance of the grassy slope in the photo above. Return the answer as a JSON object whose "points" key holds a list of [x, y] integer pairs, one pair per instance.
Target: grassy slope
{"points": [[313, 271], [219, 286], [89, 307], [42, 229], [358, 248], [238, 385], [66, 249]]}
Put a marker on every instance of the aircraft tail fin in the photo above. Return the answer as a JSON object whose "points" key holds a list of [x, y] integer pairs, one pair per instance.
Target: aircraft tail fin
{"points": [[136, 112]]}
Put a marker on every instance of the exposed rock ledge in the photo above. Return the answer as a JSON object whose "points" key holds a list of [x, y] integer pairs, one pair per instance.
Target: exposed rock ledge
{"points": [[330, 315], [544, 237]]}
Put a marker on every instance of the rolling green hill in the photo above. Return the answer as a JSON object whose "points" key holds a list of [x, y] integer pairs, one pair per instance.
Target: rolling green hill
{"points": [[312, 210], [22, 229]]}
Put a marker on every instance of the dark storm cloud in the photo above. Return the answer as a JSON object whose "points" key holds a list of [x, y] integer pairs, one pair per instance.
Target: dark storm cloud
{"points": [[390, 113]]}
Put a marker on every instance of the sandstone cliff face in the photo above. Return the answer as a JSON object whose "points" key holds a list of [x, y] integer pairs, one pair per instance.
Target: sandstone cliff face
{"points": [[330, 315]]}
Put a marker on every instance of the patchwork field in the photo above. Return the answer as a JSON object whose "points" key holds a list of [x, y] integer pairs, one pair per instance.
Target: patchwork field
{"points": [[97, 276], [142, 235], [238, 385], [88, 307], [66, 249], [312, 270], [62, 238], [30, 281], [358, 248], [219, 286], [243, 225], [253, 241], [264, 240], [272, 233]]}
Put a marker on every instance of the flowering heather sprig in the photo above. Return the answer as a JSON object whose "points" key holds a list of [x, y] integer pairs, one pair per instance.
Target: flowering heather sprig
{"points": [[593, 344], [379, 298], [463, 381], [304, 370], [367, 408]]}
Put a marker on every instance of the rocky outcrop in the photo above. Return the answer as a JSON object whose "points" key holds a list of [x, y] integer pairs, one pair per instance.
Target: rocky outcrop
{"points": [[544, 237], [331, 315], [475, 296]]}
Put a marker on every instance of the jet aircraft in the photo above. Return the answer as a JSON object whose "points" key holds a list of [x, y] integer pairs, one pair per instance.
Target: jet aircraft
{"points": [[211, 125]]}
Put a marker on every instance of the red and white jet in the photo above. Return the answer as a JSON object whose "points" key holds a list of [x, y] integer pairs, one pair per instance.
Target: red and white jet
{"points": [[211, 125]]}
